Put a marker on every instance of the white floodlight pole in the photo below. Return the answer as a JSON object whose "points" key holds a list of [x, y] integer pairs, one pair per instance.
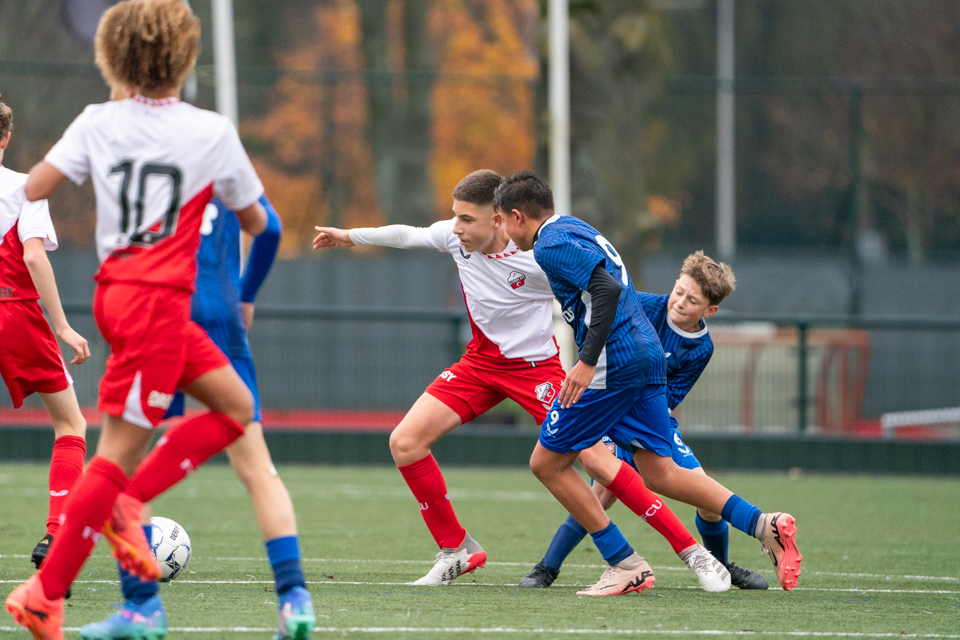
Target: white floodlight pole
{"points": [[559, 101], [726, 160], [225, 59]]}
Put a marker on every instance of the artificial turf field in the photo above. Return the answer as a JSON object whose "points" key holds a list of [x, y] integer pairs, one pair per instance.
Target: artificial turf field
{"points": [[881, 559]]}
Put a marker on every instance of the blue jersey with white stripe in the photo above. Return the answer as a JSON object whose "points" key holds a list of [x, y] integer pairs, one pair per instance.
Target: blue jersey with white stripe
{"points": [[568, 250], [687, 354], [215, 305]]}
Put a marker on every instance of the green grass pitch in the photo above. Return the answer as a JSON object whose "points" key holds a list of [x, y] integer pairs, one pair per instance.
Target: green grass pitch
{"points": [[881, 559]]}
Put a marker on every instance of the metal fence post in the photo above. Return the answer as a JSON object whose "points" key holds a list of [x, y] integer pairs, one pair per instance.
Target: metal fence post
{"points": [[802, 376]]}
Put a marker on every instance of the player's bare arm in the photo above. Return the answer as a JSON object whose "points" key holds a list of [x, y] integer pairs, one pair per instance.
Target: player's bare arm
{"points": [[253, 219], [332, 238], [43, 182], [41, 272]]}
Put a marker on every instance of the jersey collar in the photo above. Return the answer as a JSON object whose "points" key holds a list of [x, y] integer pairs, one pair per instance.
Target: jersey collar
{"points": [[153, 102], [687, 334], [552, 218]]}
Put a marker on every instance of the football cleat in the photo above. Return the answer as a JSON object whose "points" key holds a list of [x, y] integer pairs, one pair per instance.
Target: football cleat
{"points": [[31, 609], [743, 578], [40, 554], [540, 577], [711, 573], [296, 615], [147, 621], [453, 563], [630, 574], [130, 546], [778, 538], [41, 550]]}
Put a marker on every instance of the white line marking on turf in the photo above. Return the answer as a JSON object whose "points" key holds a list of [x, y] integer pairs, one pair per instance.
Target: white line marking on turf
{"points": [[361, 583], [575, 566], [597, 632]]}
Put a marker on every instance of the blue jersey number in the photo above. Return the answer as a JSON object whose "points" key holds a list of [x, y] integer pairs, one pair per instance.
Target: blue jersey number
{"points": [[613, 255]]}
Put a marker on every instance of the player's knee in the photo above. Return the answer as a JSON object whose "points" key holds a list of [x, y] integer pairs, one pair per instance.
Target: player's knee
{"points": [[241, 407], [709, 516], [405, 447]]}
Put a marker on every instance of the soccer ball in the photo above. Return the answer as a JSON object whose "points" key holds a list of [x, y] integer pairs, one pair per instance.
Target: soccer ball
{"points": [[171, 544]]}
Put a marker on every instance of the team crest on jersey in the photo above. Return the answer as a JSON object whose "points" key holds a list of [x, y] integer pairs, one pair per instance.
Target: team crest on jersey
{"points": [[545, 392], [516, 279]]}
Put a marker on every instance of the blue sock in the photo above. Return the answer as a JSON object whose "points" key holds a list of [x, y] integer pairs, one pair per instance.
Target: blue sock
{"points": [[284, 555], [565, 540], [134, 589], [611, 544], [715, 536], [741, 514]]}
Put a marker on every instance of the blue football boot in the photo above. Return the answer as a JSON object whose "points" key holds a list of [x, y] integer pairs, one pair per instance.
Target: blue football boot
{"points": [[296, 615], [147, 621]]}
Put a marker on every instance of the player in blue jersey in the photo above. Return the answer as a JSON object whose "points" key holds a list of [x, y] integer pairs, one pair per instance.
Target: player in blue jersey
{"points": [[223, 305], [678, 319], [617, 387]]}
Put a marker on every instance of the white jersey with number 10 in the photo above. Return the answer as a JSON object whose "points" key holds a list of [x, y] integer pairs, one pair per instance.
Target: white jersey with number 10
{"points": [[155, 164]]}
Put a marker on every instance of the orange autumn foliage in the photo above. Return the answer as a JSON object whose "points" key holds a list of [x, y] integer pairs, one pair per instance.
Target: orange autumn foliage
{"points": [[310, 146]]}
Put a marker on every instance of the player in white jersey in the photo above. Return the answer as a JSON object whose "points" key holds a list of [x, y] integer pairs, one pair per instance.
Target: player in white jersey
{"points": [[30, 359], [155, 163], [513, 353]]}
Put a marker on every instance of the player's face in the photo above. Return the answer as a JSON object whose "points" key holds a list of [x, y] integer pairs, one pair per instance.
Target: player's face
{"points": [[475, 225], [687, 304], [517, 231]]}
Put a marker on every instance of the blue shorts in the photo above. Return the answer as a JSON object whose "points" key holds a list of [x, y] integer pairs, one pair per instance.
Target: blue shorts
{"points": [[244, 367], [630, 417], [682, 454]]}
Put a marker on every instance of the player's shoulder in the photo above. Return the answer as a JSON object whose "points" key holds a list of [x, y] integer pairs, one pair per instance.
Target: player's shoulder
{"points": [[12, 180]]}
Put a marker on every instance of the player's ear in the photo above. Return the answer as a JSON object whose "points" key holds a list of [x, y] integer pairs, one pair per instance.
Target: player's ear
{"points": [[497, 219], [6, 140], [712, 309]]}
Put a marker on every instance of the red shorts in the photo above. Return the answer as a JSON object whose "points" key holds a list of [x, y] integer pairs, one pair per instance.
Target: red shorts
{"points": [[471, 390], [30, 357], [154, 349]]}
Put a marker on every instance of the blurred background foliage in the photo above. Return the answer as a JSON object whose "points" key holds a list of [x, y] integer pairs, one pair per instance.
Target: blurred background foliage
{"points": [[365, 112]]}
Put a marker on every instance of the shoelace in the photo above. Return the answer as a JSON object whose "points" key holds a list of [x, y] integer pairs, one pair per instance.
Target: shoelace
{"points": [[702, 561]]}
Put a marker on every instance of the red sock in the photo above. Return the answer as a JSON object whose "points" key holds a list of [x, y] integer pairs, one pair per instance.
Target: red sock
{"points": [[90, 503], [629, 488], [66, 466], [181, 451], [429, 488]]}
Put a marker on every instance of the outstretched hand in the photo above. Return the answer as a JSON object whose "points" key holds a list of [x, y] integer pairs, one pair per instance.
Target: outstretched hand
{"points": [[76, 342], [332, 238]]}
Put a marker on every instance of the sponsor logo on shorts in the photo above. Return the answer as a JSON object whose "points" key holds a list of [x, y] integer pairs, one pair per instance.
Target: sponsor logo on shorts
{"points": [[6, 292], [516, 279], [545, 392], [159, 400], [448, 375], [568, 314]]}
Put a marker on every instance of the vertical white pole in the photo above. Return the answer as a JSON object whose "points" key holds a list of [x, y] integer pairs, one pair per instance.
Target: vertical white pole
{"points": [[225, 59], [726, 161], [559, 101], [225, 71]]}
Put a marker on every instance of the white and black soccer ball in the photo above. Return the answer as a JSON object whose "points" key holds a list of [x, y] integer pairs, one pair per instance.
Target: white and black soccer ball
{"points": [[171, 545]]}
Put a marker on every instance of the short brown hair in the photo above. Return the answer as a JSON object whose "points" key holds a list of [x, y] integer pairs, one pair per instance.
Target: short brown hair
{"points": [[6, 119], [716, 280], [477, 187], [526, 191], [147, 44]]}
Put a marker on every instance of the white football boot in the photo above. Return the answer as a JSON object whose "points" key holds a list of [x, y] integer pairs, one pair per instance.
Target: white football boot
{"points": [[711, 573], [453, 563]]}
